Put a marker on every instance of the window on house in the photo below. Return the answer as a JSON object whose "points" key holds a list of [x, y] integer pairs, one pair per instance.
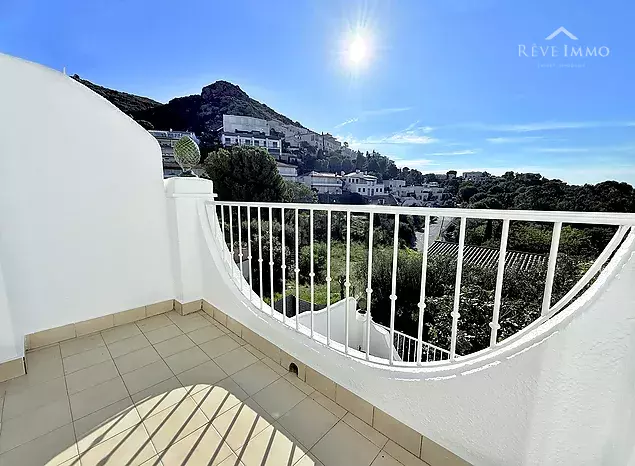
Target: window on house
{"points": [[256, 143], [228, 140], [274, 144]]}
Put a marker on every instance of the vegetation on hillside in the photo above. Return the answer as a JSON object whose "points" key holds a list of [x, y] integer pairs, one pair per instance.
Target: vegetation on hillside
{"points": [[127, 103]]}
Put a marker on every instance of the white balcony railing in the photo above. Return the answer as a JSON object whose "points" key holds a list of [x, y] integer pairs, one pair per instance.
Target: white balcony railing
{"points": [[402, 349]]}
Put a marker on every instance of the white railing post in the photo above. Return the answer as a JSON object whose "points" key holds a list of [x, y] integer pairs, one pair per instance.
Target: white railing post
{"points": [[231, 240], [328, 278], [271, 256], [422, 293], [297, 271], [457, 288], [551, 267], [261, 296], [240, 250], [347, 283], [249, 256], [393, 294], [494, 325], [284, 270], [311, 273], [369, 290]]}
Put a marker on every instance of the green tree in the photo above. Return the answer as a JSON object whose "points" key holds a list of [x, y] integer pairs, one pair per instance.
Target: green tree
{"points": [[299, 192], [243, 173]]}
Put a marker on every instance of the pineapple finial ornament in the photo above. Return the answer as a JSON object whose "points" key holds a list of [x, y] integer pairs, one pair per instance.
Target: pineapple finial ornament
{"points": [[187, 155]]}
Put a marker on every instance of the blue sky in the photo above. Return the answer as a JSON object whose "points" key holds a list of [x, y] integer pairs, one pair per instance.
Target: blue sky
{"points": [[444, 88]]}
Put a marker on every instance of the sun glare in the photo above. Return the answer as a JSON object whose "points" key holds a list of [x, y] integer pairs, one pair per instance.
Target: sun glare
{"points": [[358, 50]]}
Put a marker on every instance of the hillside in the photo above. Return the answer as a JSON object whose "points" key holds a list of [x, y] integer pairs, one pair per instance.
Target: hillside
{"points": [[127, 103], [202, 113]]}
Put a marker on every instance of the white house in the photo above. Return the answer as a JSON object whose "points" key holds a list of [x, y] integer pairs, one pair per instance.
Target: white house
{"points": [[232, 123], [394, 185], [288, 172], [363, 184], [272, 144], [323, 182]]}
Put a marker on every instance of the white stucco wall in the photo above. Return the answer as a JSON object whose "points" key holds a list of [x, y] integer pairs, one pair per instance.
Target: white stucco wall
{"points": [[84, 224], [564, 394]]}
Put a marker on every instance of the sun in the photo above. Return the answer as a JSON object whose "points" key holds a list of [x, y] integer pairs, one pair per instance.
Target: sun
{"points": [[358, 50]]}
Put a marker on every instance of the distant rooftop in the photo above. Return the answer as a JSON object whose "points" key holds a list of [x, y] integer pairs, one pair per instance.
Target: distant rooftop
{"points": [[487, 257]]}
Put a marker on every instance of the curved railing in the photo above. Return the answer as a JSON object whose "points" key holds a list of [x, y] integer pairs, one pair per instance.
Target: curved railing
{"points": [[406, 350]]}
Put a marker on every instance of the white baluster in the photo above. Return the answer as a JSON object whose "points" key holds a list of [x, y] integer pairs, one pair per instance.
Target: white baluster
{"points": [[347, 283], [422, 293], [393, 295], [499, 284], [297, 271], [551, 267], [328, 278], [262, 298], [240, 250], [249, 256], [311, 273], [369, 289], [457, 288], [271, 256], [231, 241], [284, 270]]}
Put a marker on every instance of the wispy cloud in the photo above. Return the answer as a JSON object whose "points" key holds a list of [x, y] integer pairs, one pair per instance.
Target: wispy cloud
{"points": [[546, 126], [347, 122], [373, 113], [456, 152], [513, 140], [414, 163], [563, 150]]}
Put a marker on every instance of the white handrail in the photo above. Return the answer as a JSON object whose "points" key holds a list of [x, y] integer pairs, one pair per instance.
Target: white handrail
{"points": [[404, 349]]}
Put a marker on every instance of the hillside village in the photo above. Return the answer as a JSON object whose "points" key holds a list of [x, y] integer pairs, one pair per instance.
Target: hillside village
{"points": [[290, 145]]}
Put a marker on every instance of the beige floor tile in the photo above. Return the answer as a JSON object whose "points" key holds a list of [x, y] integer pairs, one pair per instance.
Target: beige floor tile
{"points": [[173, 345], [91, 376], [231, 460], [29, 426], [241, 424], [137, 359], [205, 334], [402, 455], [279, 398], [433, 453], [216, 399], [293, 379], [163, 334], [130, 447], [159, 397], [121, 332], [237, 339], [256, 352], [405, 436], [367, 431], [190, 322], [81, 344], [308, 421], [174, 423], [203, 447], [219, 346], [201, 376], [273, 365], [328, 404], [86, 359], [147, 376], [235, 360], [271, 447], [105, 423], [128, 345], [343, 445], [52, 449], [185, 360], [42, 365], [384, 459], [309, 460], [95, 398], [153, 323], [254, 378], [33, 397]]}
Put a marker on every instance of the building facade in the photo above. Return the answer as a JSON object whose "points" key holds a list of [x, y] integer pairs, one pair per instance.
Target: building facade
{"points": [[288, 172], [474, 176], [363, 184], [323, 182]]}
